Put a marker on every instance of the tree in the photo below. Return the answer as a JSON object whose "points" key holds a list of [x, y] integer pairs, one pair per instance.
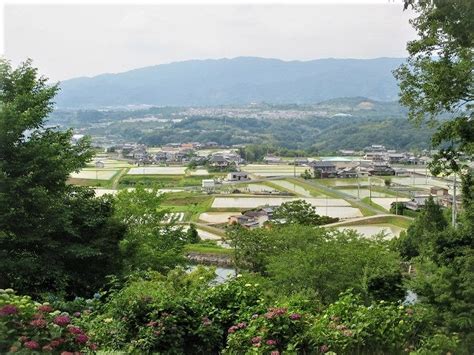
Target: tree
{"points": [[317, 261], [301, 212], [437, 80], [437, 86], [307, 174], [153, 240], [420, 235], [53, 236], [192, 235]]}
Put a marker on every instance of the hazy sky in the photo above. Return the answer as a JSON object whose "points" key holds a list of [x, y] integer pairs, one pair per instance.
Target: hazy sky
{"points": [[67, 41]]}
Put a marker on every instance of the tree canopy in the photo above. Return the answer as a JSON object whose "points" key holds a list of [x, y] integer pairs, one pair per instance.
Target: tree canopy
{"points": [[53, 236]]}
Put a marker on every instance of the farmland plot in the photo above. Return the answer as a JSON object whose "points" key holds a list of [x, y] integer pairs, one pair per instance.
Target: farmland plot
{"points": [[253, 202], [199, 172], [158, 170], [274, 170], [94, 174], [372, 229], [387, 202], [216, 217]]}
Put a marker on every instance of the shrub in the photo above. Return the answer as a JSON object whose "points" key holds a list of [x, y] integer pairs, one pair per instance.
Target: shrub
{"points": [[179, 313], [27, 326]]}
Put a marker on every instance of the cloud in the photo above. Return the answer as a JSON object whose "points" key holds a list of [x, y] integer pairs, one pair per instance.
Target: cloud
{"points": [[77, 40]]}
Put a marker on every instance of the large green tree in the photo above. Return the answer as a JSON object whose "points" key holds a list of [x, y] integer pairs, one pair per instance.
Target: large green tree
{"points": [[437, 83], [53, 236], [319, 262], [153, 239], [437, 86]]}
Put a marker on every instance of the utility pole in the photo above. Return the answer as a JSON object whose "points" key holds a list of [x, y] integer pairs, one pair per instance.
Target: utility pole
{"points": [[370, 191], [453, 206], [396, 204], [294, 167]]}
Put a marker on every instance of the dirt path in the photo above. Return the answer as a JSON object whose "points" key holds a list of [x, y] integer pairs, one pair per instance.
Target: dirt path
{"points": [[118, 177]]}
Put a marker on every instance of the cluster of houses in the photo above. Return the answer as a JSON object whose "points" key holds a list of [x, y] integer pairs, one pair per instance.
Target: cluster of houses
{"points": [[440, 195], [177, 153], [253, 218], [378, 153]]}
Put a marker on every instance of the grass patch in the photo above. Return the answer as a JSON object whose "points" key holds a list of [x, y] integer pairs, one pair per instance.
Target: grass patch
{"points": [[313, 190], [399, 221], [368, 201], [162, 180], [190, 203], [207, 248], [90, 182]]}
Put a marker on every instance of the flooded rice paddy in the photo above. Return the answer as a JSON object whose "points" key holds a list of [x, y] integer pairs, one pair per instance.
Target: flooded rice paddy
{"points": [[389, 230], [158, 170], [253, 202]]}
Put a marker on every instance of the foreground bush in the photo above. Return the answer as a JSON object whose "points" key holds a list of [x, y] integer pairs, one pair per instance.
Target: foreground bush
{"points": [[185, 313], [179, 313], [27, 326]]}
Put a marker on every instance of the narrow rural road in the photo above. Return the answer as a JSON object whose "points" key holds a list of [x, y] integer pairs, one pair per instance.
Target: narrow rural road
{"points": [[349, 198], [118, 177]]}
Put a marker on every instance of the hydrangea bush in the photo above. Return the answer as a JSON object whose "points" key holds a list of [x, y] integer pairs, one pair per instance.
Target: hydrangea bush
{"points": [[179, 313], [27, 326]]}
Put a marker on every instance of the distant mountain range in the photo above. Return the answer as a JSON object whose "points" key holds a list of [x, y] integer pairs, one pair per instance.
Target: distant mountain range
{"points": [[241, 80]]}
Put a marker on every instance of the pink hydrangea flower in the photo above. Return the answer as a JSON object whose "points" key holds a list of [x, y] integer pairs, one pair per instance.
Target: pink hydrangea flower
{"points": [[45, 308], [62, 320], [275, 352], [271, 342], [242, 325], [295, 316], [38, 323], [75, 330], [324, 348], [8, 309], [232, 329], [256, 340], [32, 345], [82, 338]]}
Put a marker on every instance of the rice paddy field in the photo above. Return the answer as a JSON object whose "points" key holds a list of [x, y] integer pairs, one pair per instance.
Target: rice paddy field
{"points": [[293, 187], [207, 210], [255, 188], [95, 174], [273, 170], [364, 192], [253, 202], [199, 172], [386, 202], [389, 230], [158, 170], [112, 164], [216, 217]]}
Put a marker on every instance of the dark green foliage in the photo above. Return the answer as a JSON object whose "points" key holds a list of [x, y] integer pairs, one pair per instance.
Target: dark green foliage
{"points": [[176, 314], [153, 239], [438, 78], [429, 222], [300, 212], [53, 237], [192, 235], [300, 258]]}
